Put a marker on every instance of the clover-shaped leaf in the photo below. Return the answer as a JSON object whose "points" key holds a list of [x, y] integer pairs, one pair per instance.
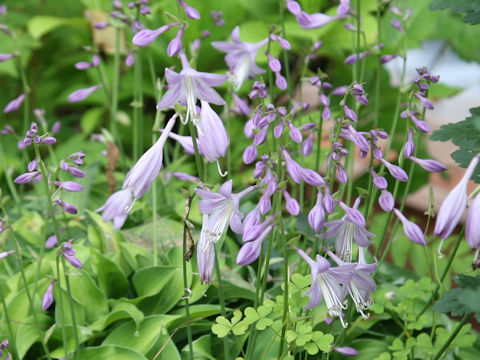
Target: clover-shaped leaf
{"points": [[223, 326], [290, 335], [323, 341], [311, 348], [260, 315], [418, 324]]}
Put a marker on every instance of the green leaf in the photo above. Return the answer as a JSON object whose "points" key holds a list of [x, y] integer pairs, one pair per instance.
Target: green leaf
{"points": [[151, 280], [224, 326], [91, 119], [108, 352], [323, 341], [471, 8], [466, 135], [109, 275], [84, 333], [121, 310], [27, 334]]}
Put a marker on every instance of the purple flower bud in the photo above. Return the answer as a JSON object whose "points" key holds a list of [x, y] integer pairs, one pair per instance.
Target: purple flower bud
{"points": [[421, 125], [21, 144], [409, 148], [326, 114], [340, 91], [82, 94], [397, 25], [250, 154], [265, 203], [3, 11], [353, 214], [83, 65], [292, 205], [248, 129], [379, 181], [350, 26], [429, 164], [411, 230], [295, 134], [324, 100], [426, 103], [191, 12], [349, 113], [27, 178], [6, 253], [396, 171], [328, 202], [32, 165], [146, 37], [250, 251], [242, 107], [37, 139], [311, 177], [51, 241], [49, 140], [69, 185], [316, 216], [67, 207], [472, 228], [346, 351], [75, 172], [260, 136], [73, 261], [387, 58], [377, 153], [280, 81], [144, 10], [175, 46], [56, 127], [100, 25], [273, 63], [14, 104], [342, 175], [5, 57], [130, 59], [278, 129], [294, 7], [259, 169], [307, 145], [293, 168], [362, 99], [47, 299], [386, 201], [64, 166]]}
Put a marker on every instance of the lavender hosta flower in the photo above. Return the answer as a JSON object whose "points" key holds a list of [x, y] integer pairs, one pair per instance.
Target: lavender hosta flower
{"points": [[295, 134], [353, 135], [345, 350], [311, 177], [175, 45], [191, 12], [409, 147], [48, 140], [117, 207], [426, 103], [83, 65], [278, 129], [146, 36], [240, 57], [397, 25], [100, 25], [250, 251], [186, 142], [472, 227], [15, 104], [260, 136], [51, 241], [280, 81], [378, 181], [82, 94], [28, 178], [241, 106], [292, 205], [69, 185], [350, 114], [5, 57], [32, 165], [421, 125], [348, 229], [67, 207], [182, 176], [411, 230], [429, 164], [328, 201], [188, 86], [454, 204], [219, 210], [386, 201], [130, 59], [250, 154], [387, 58], [352, 59], [273, 63], [4, 254], [47, 299], [396, 171], [327, 284], [313, 21], [293, 168], [69, 254], [294, 7], [307, 146], [56, 127], [265, 203], [283, 42], [326, 114], [342, 175], [316, 216], [212, 134], [361, 284]]}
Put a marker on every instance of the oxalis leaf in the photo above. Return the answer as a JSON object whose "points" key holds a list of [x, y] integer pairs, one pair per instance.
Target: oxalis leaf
{"points": [[466, 135], [471, 8], [223, 326]]}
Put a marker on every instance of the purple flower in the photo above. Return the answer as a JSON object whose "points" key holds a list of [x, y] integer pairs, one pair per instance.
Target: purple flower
{"points": [[5, 57], [51, 241], [454, 204], [47, 299], [182, 176], [82, 94], [28, 177], [6, 253], [186, 142], [241, 107], [146, 36], [349, 228], [14, 104], [175, 46], [409, 148], [396, 171], [293, 168], [316, 216], [191, 12], [130, 59], [311, 177], [117, 207], [379, 181], [69, 185], [343, 9], [212, 133], [327, 283], [292, 205], [386, 201], [240, 57], [328, 202], [345, 350], [67, 207], [250, 251], [426, 103], [83, 65], [101, 25], [69, 254], [411, 230], [350, 114], [295, 134], [397, 25], [472, 228], [280, 81], [307, 146], [429, 164], [188, 86], [312, 21], [145, 171], [250, 154], [219, 210], [294, 7]]}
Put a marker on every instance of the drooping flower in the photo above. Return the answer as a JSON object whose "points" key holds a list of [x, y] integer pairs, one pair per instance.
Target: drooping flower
{"points": [[219, 210], [411, 230], [191, 85], [14, 104], [69, 253], [212, 134], [472, 228], [190, 11], [326, 283], [348, 229], [47, 299], [250, 251], [429, 164], [240, 57], [146, 36], [82, 94], [454, 204]]}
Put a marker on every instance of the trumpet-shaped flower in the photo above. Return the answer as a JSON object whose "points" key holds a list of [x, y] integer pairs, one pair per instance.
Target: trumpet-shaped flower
{"points": [[326, 284], [472, 228], [212, 134], [240, 57], [191, 85], [454, 204], [348, 229], [219, 210]]}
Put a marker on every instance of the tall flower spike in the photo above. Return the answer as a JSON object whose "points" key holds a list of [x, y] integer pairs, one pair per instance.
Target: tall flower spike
{"points": [[191, 85], [240, 57], [454, 204], [219, 210], [326, 283]]}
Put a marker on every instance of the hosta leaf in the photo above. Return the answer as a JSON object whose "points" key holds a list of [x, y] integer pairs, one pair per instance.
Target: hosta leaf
{"points": [[471, 8]]}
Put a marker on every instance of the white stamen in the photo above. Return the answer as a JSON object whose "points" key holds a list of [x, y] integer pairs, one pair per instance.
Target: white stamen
{"points": [[222, 174]]}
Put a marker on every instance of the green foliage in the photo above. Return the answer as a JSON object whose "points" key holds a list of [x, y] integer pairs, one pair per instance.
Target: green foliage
{"points": [[471, 8], [466, 135]]}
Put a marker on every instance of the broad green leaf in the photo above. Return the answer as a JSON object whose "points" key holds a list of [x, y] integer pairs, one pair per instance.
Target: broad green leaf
{"points": [[471, 8], [30, 227], [110, 277], [323, 341], [91, 119], [27, 333], [41, 25], [116, 352], [201, 347], [151, 280], [120, 310], [83, 333], [136, 256]]}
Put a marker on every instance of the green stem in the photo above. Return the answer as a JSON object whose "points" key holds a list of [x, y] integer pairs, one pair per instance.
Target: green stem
{"points": [[8, 178], [187, 294], [115, 84], [70, 301], [222, 303], [62, 310], [9, 325], [451, 338], [285, 54], [138, 108]]}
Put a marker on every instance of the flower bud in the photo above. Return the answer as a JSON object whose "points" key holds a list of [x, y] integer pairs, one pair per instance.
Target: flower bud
{"points": [[47, 299], [250, 154]]}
